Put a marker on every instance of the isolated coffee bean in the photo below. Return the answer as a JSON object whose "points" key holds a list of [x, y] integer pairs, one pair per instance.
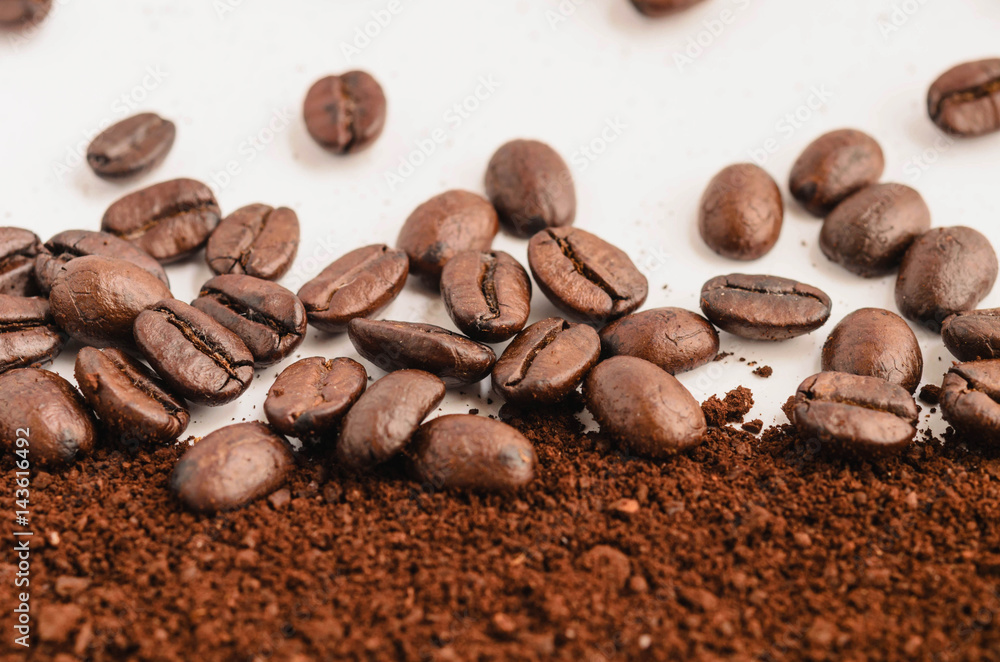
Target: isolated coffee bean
{"points": [[18, 248], [741, 213], [834, 167], [29, 336], [476, 453], [345, 113], [875, 343], [256, 240], [72, 244], [970, 399], [945, 271], [674, 339], [384, 419], [128, 398], [644, 408], [965, 100], [760, 307], [197, 357], [96, 299], [585, 276], [310, 397], [487, 295], [232, 467], [170, 220], [22, 13], [269, 319], [359, 284], [546, 362], [131, 147], [973, 335], [531, 187], [657, 8], [43, 409], [868, 234]]}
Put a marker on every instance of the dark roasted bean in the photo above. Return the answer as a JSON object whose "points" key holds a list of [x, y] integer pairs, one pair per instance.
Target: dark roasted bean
{"points": [[741, 213], [675, 339], [256, 240], [345, 113], [22, 13], [18, 249], [834, 167], [531, 187], [970, 400], [965, 100], [310, 397], [28, 335], [658, 8], [72, 244], [875, 343], [764, 307], [131, 147], [973, 335], [487, 295]]}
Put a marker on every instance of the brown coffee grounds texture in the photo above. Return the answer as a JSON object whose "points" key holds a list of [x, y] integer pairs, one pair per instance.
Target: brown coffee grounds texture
{"points": [[732, 409], [764, 371]]}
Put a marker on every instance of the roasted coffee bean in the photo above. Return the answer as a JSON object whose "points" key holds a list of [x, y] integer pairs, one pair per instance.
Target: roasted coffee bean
{"points": [[384, 419], [128, 398], [965, 100], [391, 346], [487, 295], [72, 244], [310, 397], [531, 187], [170, 220], [131, 147], [970, 399], [546, 362], [18, 249], [22, 13], [359, 284], [585, 276], [764, 307], [256, 240], [345, 113], [45, 411], [28, 335], [945, 271], [269, 319], [834, 167], [973, 335], [658, 8], [465, 452], [675, 339], [199, 359], [231, 467], [96, 299], [644, 408], [741, 213], [865, 415], [875, 343], [868, 234]]}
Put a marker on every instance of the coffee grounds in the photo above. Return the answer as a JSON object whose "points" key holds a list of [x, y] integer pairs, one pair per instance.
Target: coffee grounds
{"points": [[764, 371], [732, 409], [930, 394]]}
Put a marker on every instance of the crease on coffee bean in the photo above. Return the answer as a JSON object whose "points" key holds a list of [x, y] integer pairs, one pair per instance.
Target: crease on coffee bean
{"points": [[351, 276], [203, 344], [488, 287], [175, 210], [968, 94], [525, 365], [349, 105], [581, 268], [841, 399], [143, 386], [246, 312], [765, 291]]}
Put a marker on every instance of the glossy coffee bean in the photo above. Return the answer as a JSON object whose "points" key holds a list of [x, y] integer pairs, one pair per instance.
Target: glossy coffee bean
{"points": [[644, 408], [973, 335], [658, 8], [487, 295], [170, 220], [741, 213], [72, 244], [674, 339], [18, 248], [875, 343], [760, 307], [310, 397], [345, 113], [197, 357], [965, 100], [269, 319], [585, 276], [359, 284], [834, 167], [945, 271], [29, 336], [546, 362], [23, 13], [970, 399], [531, 187], [232, 467], [381, 423], [256, 240], [131, 147]]}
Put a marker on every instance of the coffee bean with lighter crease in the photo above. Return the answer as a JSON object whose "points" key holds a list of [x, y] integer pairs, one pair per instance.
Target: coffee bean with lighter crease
{"points": [[973, 335], [131, 147], [487, 295], [531, 187], [970, 400], [760, 307], [965, 100], [72, 244], [309, 398], [29, 337], [675, 339], [834, 167], [741, 213], [875, 343], [256, 240], [18, 248], [345, 113]]}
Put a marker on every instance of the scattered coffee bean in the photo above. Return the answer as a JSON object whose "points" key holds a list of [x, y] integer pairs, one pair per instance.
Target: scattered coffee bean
{"points": [[970, 399], [973, 335], [741, 213], [18, 248], [658, 8], [310, 397], [72, 244], [487, 295], [131, 147], [875, 343], [834, 167], [256, 240], [531, 187], [28, 335], [674, 339], [965, 100], [345, 113], [764, 307], [22, 13]]}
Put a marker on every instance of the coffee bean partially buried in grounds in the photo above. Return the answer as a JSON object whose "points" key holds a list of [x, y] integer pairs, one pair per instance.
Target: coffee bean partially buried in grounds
{"points": [[29, 336], [487, 295], [18, 248], [658, 8], [675, 339], [345, 113], [741, 213], [875, 343], [970, 400], [973, 335], [531, 187], [256, 240], [310, 397], [965, 100], [764, 307], [72, 244], [131, 147], [834, 167]]}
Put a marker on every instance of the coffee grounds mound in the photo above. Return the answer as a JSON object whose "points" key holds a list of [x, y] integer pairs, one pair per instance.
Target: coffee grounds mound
{"points": [[732, 409], [744, 548], [764, 371]]}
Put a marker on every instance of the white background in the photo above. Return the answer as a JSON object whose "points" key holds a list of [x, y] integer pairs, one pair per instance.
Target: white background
{"points": [[229, 70]]}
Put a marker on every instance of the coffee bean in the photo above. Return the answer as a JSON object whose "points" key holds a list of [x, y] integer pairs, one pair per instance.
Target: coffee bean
{"points": [[741, 213], [232, 467], [476, 453], [359, 284], [22, 13], [310, 397], [72, 244], [96, 299], [965, 100], [973, 335], [199, 359], [834, 167], [18, 249], [868, 234], [391, 346], [131, 147], [546, 362], [269, 319], [531, 187], [585, 276], [128, 398], [970, 399], [345, 113], [644, 408], [674, 339], [256, 240], [487, 295], [764, 307], [48, 413], [945, 271], [658, 8], [865, 415], [875, 343], [170, 220], [28, 335], [384, 419]]}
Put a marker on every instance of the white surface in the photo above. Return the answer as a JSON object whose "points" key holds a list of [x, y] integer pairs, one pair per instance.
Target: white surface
{"points": [[227, 70]]}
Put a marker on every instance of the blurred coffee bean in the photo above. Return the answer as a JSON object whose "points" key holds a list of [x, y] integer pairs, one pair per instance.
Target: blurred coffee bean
{"points": [[970, 400], [256, 240], [29, 336], [759, 307], [72, 244], [131, 147], [658, 8], [741, 213], [834, 167], [18, 248], [345, 113], [875, 343], [310, 397], [487, 295], [674, 339], [531, 187], [965, 100], [19, 14], [973, 335]]}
